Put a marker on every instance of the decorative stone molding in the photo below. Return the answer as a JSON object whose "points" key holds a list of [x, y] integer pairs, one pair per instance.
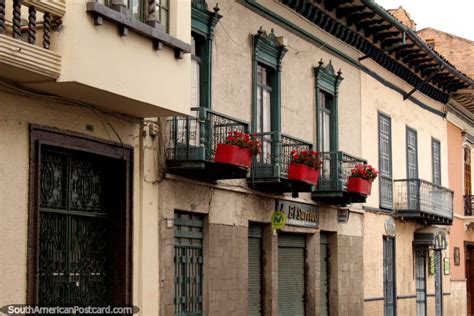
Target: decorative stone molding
{"points": [[29, 57], [55, 8]]}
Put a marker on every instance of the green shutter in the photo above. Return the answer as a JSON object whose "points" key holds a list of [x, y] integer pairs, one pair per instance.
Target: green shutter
{"points": [[385, 161], [324, 274], [255, 269], [291, 275], [436, 161]]}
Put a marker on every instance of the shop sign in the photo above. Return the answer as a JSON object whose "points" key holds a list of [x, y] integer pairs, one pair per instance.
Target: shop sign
{"points": [[278, 220], [457, 256], [446, 265], [342, 216], [440, 242], [299, 214], [390, 227], [432, 265]]}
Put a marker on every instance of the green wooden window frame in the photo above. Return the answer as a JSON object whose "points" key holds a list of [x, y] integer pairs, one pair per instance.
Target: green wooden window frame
{"points": [[410, 132], [203, 24], [436, 160], [327, 88], [267, 53], [385, 178]]}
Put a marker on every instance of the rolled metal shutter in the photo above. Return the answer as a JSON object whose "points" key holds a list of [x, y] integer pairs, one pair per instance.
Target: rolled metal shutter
{"points": [[291, 276], [255, 270], [324, 272]]}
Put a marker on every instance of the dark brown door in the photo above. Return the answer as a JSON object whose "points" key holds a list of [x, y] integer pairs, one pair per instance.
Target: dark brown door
{"points": [[470, 278]]}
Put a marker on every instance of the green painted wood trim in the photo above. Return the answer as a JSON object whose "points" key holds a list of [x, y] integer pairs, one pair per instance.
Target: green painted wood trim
{"points": [[408, 131], [263, 11], [204, 24], [433, 141], [328, 81]]}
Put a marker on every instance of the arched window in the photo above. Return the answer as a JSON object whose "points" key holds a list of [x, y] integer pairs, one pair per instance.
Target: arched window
{"points": [[467, 181]]}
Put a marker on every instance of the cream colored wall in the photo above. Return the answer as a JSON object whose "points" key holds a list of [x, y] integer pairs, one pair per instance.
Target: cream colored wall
{"points": [[405, 279], [376, 97], [96, 56], [16, 113], [232, 58]]}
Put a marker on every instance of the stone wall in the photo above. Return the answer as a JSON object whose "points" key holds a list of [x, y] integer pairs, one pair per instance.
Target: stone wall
{"points": [[457, 50], [350, 275]]}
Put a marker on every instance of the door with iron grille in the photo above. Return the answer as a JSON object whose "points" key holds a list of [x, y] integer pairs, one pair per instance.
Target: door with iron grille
{"points": [[189, 263], [74, 229]]}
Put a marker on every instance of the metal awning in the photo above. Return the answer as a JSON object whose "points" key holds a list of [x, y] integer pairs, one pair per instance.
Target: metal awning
{"points": [[433, 237]]}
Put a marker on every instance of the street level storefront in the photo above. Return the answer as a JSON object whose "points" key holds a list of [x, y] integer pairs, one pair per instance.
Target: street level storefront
{"points": [[408, 267], [220, 255]]}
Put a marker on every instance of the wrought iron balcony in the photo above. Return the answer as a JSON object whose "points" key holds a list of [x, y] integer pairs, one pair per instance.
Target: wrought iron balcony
{"points": [[332, 184], [193, 141], [468, 204], [422, 200], [270, 167], [26, 33]]}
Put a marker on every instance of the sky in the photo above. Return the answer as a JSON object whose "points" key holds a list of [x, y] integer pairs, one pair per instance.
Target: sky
{"points": [[453, 16]]}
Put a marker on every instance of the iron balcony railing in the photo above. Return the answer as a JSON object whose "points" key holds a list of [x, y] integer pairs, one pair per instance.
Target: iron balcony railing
{"points": [[275, 154], [336, 170], [468, 204], [411, 196], [196, 137]]}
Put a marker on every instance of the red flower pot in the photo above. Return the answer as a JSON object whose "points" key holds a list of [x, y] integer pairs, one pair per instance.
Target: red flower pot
{"points": [[359, 185], [233, 155], [300, 172]]}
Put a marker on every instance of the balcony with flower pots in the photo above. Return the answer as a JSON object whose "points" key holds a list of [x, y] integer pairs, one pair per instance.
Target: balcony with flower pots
{"points": [[273, 170], [336, 185], [423, 201], [209, 146]]}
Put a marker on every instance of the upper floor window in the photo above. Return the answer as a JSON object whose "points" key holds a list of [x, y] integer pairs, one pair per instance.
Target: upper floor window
{"points": [[264, 99], [467, 170], [198, 66], [327, 86], [203, 24], [436, 161], [385, 161], [139, 9]]}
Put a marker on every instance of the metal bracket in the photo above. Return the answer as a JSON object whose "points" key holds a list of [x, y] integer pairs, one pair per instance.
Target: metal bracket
{"points": [[394, 46], [421, 84]]}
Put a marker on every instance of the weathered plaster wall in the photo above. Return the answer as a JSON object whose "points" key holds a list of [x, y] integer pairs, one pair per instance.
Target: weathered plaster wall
{"points": [[228, 209], [232, 58], [378, 98], [16, 113], [404, 262]]}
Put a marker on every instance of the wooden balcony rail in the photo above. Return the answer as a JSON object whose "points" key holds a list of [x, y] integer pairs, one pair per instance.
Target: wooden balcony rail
{"points": [[468, 204], [421, 199]]}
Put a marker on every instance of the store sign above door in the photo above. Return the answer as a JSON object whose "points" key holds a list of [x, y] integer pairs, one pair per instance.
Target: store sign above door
{"points": [[299, 214]]}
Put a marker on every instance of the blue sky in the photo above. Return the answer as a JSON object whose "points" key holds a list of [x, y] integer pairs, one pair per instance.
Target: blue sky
{"points": [[453, 16]]}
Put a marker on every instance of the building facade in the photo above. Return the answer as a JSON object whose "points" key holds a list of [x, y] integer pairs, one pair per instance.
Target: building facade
{"points": [[78, 191], [304, 76], [111, 116]]}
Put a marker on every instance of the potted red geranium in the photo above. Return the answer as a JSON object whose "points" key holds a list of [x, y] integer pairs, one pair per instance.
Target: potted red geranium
{"points": [[361, 178], [305, 166], [238, 149]]}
